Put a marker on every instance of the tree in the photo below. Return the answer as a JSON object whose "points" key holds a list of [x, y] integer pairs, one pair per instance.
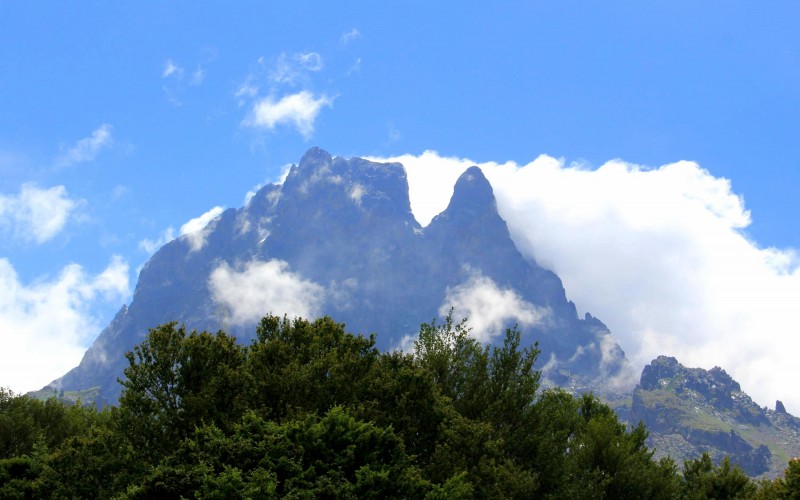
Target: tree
{"points": [[175, 382], [704, 480]]}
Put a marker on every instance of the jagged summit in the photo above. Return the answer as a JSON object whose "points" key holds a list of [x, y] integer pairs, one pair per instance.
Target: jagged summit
{"points": [[338, 238]]}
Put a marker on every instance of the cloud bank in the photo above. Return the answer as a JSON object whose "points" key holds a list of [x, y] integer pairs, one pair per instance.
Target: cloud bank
{"points": [[36, 214], [46, 325], [257, 288], [658, 254]]}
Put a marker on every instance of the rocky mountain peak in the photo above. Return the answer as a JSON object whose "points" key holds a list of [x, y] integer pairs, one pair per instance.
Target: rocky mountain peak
{"points": [[472, 195]]}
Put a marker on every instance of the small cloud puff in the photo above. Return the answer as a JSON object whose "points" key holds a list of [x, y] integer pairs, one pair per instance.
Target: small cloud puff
{"points": [[171, 69], [196, 231], [88, 148], [36, 214], [258, 288], [299, 110], [489, 308]]}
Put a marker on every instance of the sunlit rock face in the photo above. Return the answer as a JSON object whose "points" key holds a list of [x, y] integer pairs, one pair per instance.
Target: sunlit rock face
{"points": [[338, 238]]}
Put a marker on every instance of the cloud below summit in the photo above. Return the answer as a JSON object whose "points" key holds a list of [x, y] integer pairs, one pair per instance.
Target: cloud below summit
{"points": [[259, 287], [489, 307], [658, 254]]}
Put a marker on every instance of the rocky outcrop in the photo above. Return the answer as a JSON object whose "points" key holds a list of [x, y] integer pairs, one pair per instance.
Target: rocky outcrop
{"points": [[689, 411]]}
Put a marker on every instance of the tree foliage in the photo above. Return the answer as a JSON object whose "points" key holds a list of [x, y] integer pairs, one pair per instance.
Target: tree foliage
{"points": [[309, 410]]}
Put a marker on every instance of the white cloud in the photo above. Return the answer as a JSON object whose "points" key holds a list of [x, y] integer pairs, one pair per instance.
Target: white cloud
{"points": [[299, 110], [490, 309], [45, 326], [87, 148], [657, 254], [259, 288], [171, 69], [37, 214], [349, 36], [196, 231], [357, 192]]}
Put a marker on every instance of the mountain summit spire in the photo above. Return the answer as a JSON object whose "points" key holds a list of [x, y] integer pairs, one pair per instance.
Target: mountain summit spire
{"points": [[472, 195]]}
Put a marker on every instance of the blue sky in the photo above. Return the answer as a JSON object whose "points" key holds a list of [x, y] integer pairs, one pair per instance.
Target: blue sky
{"points": [[122, 122]]}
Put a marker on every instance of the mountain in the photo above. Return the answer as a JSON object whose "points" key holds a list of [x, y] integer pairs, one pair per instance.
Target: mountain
{"points": [[689, 411], [338, 238]]}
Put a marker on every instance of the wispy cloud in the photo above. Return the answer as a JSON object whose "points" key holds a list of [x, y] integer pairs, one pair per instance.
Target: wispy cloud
{"points": [[198, 75], [349, 36], [178, 79], [355, 68], [310, 61], [298, 110], [294, 69], [45, 326], [658, 254], [258, 288], [36, 214], [171, 70], [150, 247], [196, 231], [87, 148]]}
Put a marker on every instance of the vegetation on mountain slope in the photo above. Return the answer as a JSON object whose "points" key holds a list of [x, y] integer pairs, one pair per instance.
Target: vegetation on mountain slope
{"points": [[308, 410]]}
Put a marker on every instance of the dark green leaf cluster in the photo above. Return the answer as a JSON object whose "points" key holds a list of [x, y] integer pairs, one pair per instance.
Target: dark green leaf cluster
{"points": [[309, 410]]}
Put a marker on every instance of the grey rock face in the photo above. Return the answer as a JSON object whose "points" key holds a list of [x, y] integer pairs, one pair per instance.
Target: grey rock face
{"points": [[346, 225]]}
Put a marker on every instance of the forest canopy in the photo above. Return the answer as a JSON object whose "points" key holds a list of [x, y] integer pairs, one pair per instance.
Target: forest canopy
{"points": [[309, 410]]}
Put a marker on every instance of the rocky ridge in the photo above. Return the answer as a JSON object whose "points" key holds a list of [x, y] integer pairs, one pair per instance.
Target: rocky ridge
{"points": [[689, 411]]}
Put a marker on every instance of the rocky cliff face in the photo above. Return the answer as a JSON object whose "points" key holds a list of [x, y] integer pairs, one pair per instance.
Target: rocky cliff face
{"points": [[689, 411], [341, 230]]}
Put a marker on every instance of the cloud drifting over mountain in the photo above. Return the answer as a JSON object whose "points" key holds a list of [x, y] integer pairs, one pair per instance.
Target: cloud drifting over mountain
{"points": [[261, 287], [489, 307], [659, 254]]}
